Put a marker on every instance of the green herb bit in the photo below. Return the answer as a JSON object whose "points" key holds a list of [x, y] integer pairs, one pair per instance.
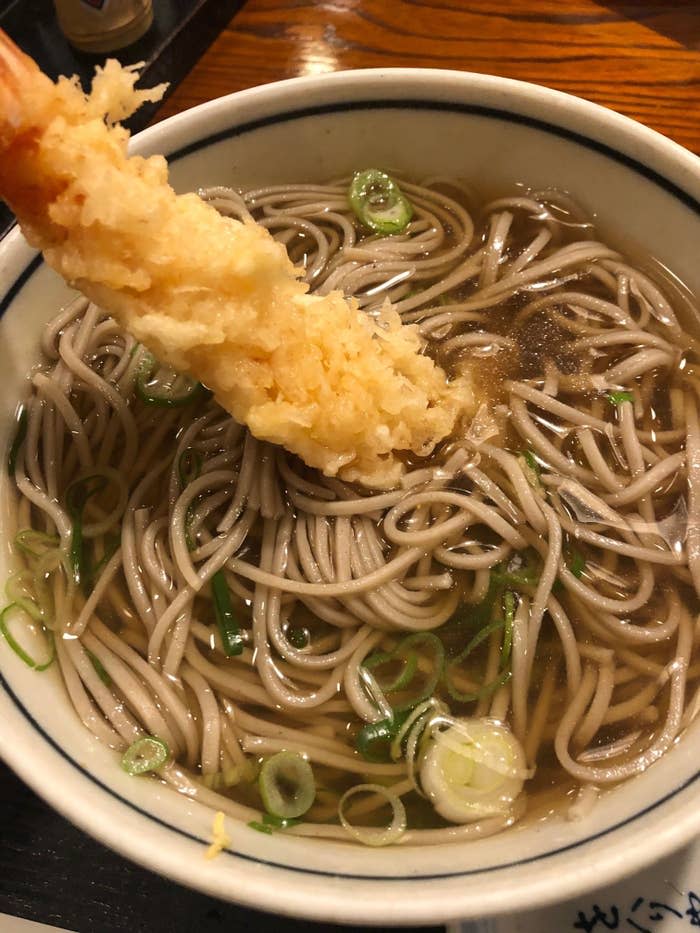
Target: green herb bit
{"points": [[617, 398], [452, 633], [379, 203], [271, 823], [147, 754], [20, 434], [406, 652], [229, 628], [374, 739], [77, 496], [531, 468], [189, 466], [99, 668], [505, 623], [163, 387], [261, 827], [528, 576], [577, 565], [15, 645]]}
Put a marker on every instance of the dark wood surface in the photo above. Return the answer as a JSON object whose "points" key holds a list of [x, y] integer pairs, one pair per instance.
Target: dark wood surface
{"points": [[52, 873], [639, 58]]}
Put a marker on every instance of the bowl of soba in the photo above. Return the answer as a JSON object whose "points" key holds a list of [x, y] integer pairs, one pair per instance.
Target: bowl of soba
{"points": [[458, 682]]}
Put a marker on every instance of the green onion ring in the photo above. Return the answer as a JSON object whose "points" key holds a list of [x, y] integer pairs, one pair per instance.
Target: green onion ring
{"points": [[370, 835], [149, 753], [379, 203], [287, 786]]}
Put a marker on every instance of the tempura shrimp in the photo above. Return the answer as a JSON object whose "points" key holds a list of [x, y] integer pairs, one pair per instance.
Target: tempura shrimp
{"points": [[209, 295]]}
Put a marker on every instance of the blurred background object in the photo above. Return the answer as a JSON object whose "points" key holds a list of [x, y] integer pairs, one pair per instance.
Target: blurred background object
{"points": [[103, 25], [179, 33]]}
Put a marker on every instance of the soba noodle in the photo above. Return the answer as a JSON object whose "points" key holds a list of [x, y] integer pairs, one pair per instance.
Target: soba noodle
{"points": [[541, 571]]}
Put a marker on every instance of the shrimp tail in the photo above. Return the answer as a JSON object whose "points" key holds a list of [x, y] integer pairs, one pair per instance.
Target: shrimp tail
{"points": [[40, 118], [24, 93]]}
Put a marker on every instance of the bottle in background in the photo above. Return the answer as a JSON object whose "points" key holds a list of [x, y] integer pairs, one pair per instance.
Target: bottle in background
{"points": [[103, 25]]}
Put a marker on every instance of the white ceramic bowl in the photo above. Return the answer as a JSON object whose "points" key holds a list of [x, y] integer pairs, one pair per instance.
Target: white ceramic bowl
{"points": [[639, 185]]}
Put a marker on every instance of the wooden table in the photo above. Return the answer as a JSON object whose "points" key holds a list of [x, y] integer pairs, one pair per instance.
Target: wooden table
{"points": [[641, 58], [638, 57]]}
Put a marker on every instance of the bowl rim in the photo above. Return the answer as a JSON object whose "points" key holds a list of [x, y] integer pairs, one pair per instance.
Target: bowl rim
{"points": [[640, 148]]}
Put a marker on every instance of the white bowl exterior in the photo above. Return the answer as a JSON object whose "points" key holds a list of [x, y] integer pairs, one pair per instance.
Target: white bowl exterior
{"points": [[431, 122]]}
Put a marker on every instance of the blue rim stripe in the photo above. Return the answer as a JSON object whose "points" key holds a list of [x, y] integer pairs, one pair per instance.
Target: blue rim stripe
{"points": [[490, 112], [494, 113], [489, 869]]}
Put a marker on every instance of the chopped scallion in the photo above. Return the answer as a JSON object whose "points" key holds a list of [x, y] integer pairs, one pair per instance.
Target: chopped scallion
{"points": [[162, 386], [379, 203], [148, 753], [505, 623], [531, 468], [617, 398], [374, 739], [189, 466], [286, 785], [404, 681], [270, 823], [99, 668], [77, 496], [229, 628], [577, 565], [21, 653], [20, 434]]}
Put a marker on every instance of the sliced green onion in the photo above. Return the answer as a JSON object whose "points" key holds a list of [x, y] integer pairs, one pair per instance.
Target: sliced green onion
{"points": [[77, 496], [523, 569], [531, 468], [370, 835], [261, 827], [20, 592], [146, 754], [403, 677], [617, 398], [287, 785], [162, 386], [270, 823], [506, 623], [99, 668], [35, 543], [406, 675], [20, 434], [379, 203], [189, 466], [21, 653], [577, 565], [374, 739], [229, 628], [423, 713]]}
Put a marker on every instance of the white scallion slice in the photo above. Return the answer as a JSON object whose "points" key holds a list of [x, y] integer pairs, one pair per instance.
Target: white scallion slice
{"points": [[473, 770]]}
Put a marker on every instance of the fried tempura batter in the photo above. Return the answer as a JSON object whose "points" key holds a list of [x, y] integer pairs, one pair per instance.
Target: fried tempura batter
{"points": [[210, 295]]}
